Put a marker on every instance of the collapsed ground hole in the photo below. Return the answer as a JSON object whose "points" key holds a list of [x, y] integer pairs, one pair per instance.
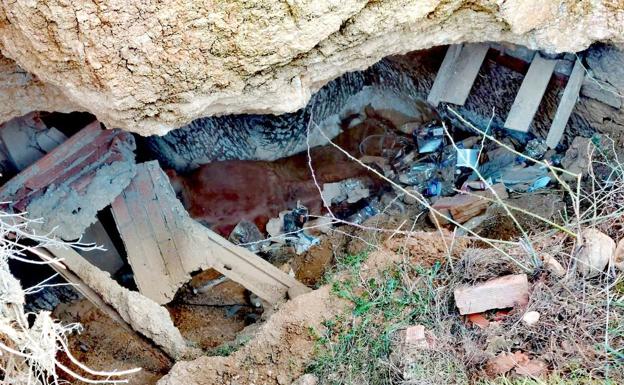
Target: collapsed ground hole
{"points": [[368, 113]]}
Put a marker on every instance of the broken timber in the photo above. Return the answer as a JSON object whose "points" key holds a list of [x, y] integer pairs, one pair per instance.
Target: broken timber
{"points": [[69, 185], [530, 94], [457, 73], [164, 244], [566, 105]]}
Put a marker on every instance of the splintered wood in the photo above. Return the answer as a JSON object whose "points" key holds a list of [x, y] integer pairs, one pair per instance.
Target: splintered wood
{"points": [[530, 94], [69, 185], [165, 245], [457, 73], [566, 105]]}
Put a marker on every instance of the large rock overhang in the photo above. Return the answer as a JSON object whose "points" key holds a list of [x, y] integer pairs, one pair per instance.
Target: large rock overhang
{"points": [[149, 67]]}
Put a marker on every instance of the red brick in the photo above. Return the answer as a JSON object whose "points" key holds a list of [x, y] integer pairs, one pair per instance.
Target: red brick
{"points": [[497, 293]]}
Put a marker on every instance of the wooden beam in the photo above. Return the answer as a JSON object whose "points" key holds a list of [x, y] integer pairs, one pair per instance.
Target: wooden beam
{"points": [[566, 105], [457, 73], [465, 72], [164, 245], [445, 73], [530, 94]]}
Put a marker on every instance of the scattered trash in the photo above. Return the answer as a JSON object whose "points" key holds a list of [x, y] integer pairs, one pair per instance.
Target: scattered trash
{"points": [[536, 149], [418, 175], [248, 235], [429, 139], [295, 219], [531, 318], [595, 253], [497, 293], [349, 190], [368, 211], [467, 158], [524, 179], [303, 242]]}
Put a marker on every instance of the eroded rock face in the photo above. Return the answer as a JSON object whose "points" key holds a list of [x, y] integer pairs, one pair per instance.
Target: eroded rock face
{"points": [[151, 66]]}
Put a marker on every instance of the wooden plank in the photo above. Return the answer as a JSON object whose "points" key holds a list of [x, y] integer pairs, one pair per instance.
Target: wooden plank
{"points": [[84, 289], [464, 73], [530, 94], [566, 105], [164, 245], [444, 74]]}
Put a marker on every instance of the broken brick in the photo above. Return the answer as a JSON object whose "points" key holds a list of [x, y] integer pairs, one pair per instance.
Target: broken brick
{"points": [[464, 206], [498, 293], [479, 320]]}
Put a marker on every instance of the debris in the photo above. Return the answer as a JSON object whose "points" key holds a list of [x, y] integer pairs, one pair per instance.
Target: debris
{"points": [[463, 207], [576, 159], [303, 242], [553, 266], [275, 228], [248, 235], [497, 293], [141, 313], [318, 226], [595, 253], [296, 291], [603, 92], [416, 337], [467, 158], [429, 139], [368, 211], [536, 149], [418, 175], [531, 318], [409, 199], [164, 245], [350, 190], [107, 259], [479, 320], [525, 179], [69, 185]]}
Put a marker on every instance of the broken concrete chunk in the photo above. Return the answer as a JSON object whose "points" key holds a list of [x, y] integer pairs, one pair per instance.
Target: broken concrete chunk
{"points": [[497, 293], [72, 183], [595, 253], [601, 91]]}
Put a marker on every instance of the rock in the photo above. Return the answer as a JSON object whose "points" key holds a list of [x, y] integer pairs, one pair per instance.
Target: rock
{"points": [[595, 253], [576, 158], [500, 364], [183, 60], [318, 226], [618, 256], [497, 293], [553, 266], [306, 379], [530, 318]]}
